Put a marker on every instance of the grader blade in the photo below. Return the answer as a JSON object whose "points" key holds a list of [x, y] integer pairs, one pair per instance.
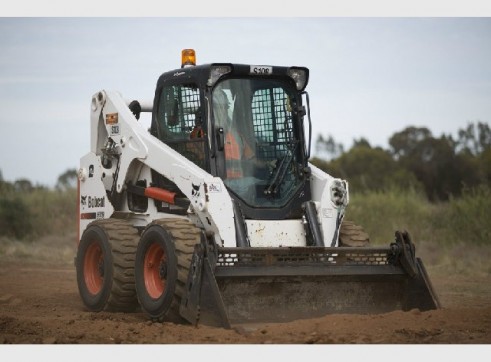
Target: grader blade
{"points": [[229, 286]]}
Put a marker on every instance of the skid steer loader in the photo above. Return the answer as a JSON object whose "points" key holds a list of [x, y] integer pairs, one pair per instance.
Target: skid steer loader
{"points": [[214, 214]]}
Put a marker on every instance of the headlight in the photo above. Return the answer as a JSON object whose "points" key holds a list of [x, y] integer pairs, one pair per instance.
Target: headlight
{"points": [[339, 192], [300, 76]]}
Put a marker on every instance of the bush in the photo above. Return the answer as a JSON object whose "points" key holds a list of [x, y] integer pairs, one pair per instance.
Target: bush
{"points": [[464, 219], [15, 217], [467, 218], [28, 215], [382, 213]]}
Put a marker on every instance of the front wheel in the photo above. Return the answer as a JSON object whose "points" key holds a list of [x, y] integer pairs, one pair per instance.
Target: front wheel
{"points": [[162, 264]]}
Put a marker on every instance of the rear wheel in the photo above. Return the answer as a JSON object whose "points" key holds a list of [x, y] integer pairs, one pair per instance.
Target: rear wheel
{"points": [[162, 265], [105, 266], [353, 235]]}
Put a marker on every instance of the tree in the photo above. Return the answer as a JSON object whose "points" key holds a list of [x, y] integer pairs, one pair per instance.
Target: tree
{"points": [[67, 180], [485, 165], [369, 169], [15, 217], [404, 143], [5, 187], [362, 142], [474, 139], [327, 147], [434, 162], [23, 185]]}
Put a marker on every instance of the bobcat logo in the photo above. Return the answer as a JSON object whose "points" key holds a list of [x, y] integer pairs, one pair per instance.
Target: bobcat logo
{"points": [[195, 191], [214, 188], [83, 200]]}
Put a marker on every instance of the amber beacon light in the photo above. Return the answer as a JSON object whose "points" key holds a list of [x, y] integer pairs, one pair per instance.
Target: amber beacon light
{"points": [[188, 58]]}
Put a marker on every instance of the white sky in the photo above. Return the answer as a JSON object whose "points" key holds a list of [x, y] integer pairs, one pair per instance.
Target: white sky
{"points": [[369, 77]]}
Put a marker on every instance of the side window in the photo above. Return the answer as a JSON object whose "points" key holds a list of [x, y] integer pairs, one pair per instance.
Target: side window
{"points": [[178, 112], [179, 117]]}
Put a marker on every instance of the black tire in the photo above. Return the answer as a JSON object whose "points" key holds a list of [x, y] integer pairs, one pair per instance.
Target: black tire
{"points": [[160, 288], [105, 266], [353, 235]]}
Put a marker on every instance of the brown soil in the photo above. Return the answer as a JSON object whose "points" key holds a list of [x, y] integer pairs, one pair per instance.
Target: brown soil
{"points": [[39, 304]]}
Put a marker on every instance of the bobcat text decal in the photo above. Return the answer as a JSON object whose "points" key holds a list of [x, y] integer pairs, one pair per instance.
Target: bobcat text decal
{"points": [[92, 201]]}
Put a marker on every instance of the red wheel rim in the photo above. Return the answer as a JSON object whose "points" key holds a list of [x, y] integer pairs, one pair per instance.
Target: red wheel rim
{"points": [[94, 268], [154, 270]]}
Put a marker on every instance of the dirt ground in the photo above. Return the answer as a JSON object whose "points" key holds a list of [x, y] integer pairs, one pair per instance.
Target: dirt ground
{"points": [[39, 304]]}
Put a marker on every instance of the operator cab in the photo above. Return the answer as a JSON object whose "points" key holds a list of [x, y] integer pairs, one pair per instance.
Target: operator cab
{"points": [[244, 124]]}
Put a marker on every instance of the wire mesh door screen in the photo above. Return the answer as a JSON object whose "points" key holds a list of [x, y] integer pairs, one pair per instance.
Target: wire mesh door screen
{"points": [[273, 126], [179, 118]]}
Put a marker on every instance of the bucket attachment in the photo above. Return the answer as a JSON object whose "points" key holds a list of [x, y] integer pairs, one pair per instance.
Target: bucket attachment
{"points": [[228, 286]]}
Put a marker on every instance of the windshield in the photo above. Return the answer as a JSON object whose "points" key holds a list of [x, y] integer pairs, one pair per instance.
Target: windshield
{"points": [[260, 140]]}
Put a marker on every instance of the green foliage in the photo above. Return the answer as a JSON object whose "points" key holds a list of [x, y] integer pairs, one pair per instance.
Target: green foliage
{"points": [[433, 161], [444, 165], [67, 180], [327, 147], [461, 220], [28, 212], [369, 169], [382, 213], [474, 139], [436, 188], [484, 166], [37, 213], [406, 142], [441, 166], [23, 185], [15, 217], [54, 212], [468, 217]]}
